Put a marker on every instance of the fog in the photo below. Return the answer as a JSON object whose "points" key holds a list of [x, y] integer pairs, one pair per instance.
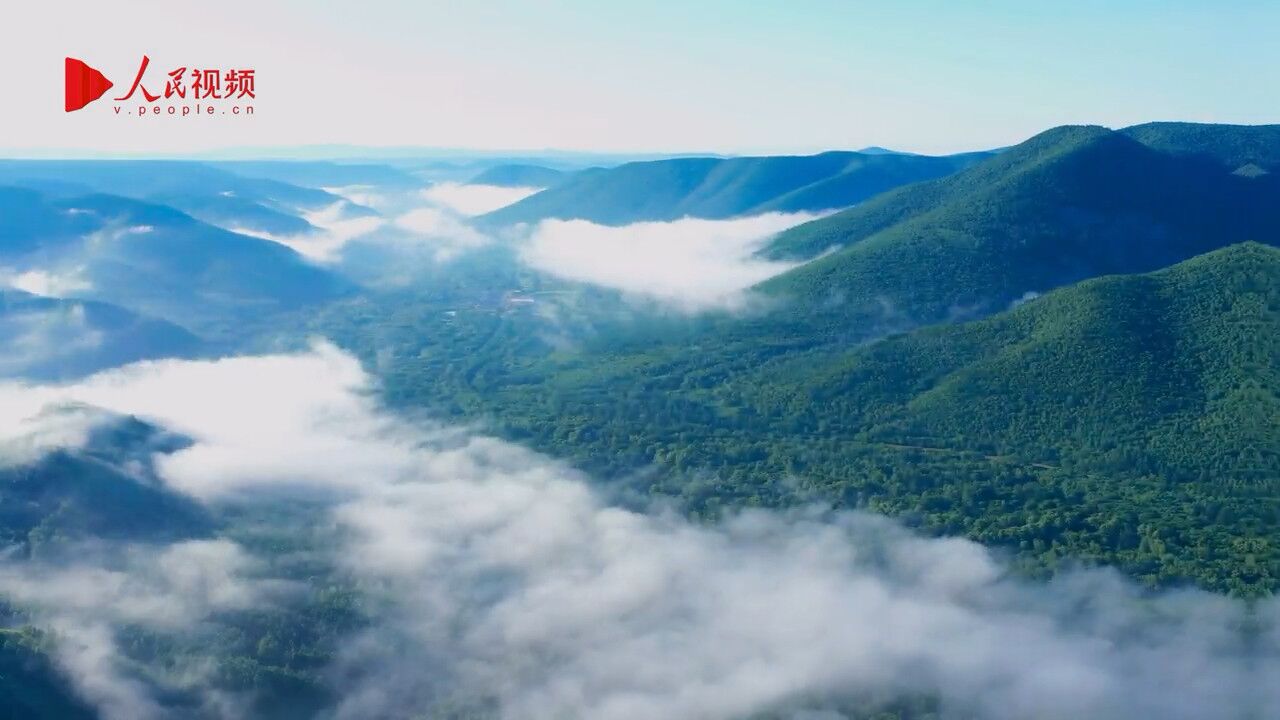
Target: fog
{"points": [[468, 199], [691, 264], [51, 284], [504, 581]]}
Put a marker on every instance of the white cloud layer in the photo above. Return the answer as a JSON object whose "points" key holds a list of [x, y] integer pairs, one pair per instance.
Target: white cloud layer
{"points": [[51, 284], [335, 227], [405, 221], [443, 231], [505, 581], [165, 588], [692, 264], [467, 199], [35, 337]]}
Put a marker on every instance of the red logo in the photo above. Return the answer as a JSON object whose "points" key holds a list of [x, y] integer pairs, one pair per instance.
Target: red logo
{"points": [[84, 84], [188, 91]]}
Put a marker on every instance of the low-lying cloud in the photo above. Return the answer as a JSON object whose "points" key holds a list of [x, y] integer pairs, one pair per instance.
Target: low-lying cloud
{"points": [[505, 585], [86, 603], [49, 283], [444, 232], [39, 337], [691, 264], [467, 199], [335, 226], [405, 225]]}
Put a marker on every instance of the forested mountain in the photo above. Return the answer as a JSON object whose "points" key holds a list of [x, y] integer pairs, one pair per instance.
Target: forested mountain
{"points": [[726, 187], [1069, 204], [142, 179], [1067, 351], [156, 261], [49, 338], [211, 194], [1234, 146], [1127, 420]]}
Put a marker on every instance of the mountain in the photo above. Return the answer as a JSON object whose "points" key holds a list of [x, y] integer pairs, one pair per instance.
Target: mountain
{"points": [[878, 150], [142, 179], [725, 187], [107, 490], [235, 213], [1235, 146], [49, 338], [211, 194], [156, 261], [1126, 420], [30, 682], [520, 176], [1069, 204], [320, 174]]}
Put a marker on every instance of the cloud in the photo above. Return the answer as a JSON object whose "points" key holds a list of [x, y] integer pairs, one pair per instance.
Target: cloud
{"points": [[336, 226], [366, 195], [447, 234], [504, 582], [691, 264], [36, 337], [88, 602], [162, 588], [113, 233], [466, 199], [406, 224], [52, 284]]}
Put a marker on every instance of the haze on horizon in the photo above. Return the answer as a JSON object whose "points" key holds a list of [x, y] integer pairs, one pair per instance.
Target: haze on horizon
{"points": [[923, 76]]}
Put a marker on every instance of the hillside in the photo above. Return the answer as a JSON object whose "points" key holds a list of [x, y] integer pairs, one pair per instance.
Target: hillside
{"points": [[156, 261], [1125, 420], [1234, 146], [49, 338], [1069, 204], [211, 194], [722, 188]]}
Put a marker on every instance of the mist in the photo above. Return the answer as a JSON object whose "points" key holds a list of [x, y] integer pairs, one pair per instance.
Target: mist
{"points": [[503, 582], [690, 264], [468, 199]]}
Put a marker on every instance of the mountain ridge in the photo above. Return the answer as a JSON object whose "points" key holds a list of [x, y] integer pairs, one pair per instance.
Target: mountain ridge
{"points": [[718, 188]]}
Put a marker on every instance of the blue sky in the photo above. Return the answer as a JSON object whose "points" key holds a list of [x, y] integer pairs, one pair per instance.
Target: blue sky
{"points": [[658, 75]]}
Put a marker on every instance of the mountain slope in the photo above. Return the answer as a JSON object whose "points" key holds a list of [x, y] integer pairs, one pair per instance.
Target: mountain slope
{"points": [[1069, 204], [49, 338], [721, 188], [158, 262], [1128, 420], [208, 193], [1234, 146], [142, 179], [1178, 365]]}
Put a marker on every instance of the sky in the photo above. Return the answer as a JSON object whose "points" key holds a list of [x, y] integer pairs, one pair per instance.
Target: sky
{"points": [[656, 76]]}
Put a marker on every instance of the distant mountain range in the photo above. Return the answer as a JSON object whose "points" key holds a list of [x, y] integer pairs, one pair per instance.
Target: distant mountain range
{"points": [[726, 187], [520, 176], [208, 193], [156, 261]]}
